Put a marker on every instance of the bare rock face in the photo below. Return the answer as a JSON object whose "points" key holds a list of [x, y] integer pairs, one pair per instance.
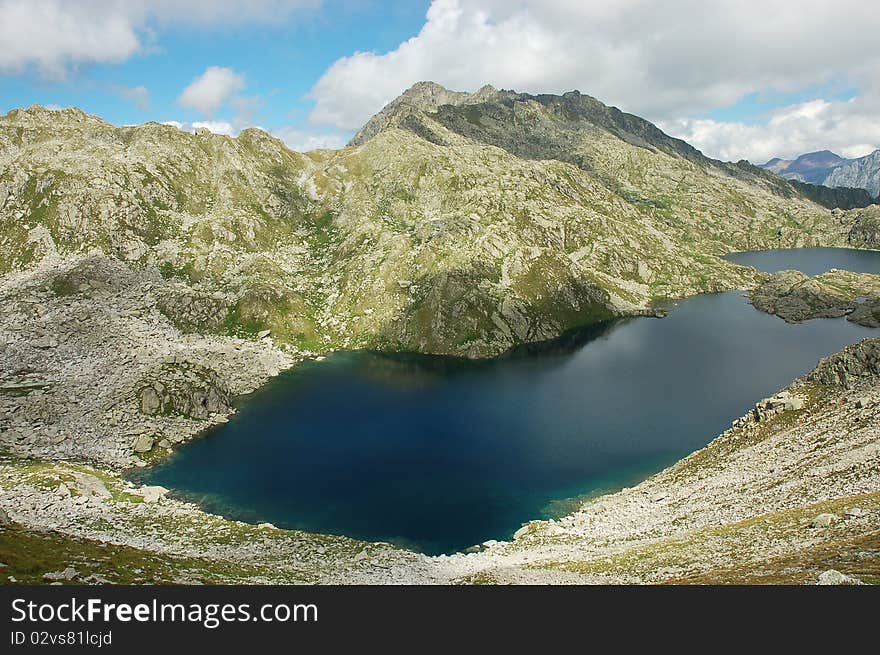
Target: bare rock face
{"points": [[191, 310], [865, 231], [423, 96], [795, 297], [183, 389], [855, 362], [863, 173]]}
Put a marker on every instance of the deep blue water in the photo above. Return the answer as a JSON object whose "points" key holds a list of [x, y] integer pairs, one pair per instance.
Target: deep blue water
{"points": [[812, 261], [439, 453]]}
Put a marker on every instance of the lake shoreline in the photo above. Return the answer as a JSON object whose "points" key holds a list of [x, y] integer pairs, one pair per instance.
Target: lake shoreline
{"points": [[109, 472]]}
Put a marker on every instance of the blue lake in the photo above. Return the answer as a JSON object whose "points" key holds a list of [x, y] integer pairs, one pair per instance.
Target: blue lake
{"points": [[438, 453], [812, 261]]}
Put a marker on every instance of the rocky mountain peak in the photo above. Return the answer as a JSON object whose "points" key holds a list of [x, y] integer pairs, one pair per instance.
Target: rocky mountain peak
{"points": [[423, 96], [38, 114], [828, 169]]}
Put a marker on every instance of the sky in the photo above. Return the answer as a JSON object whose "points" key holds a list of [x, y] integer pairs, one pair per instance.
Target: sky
{"points": [[738, 79]]}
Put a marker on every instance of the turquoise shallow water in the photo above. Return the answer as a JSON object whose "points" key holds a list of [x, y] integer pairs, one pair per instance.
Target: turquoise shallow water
{"points": [[439, 453]]}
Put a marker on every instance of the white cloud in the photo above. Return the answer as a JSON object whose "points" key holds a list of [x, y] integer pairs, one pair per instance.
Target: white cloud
{"points": [[294, 138], [217, 127], [54, 35], [305, 140], [663, 61], [849, 128], [207, 93], [51, 34]]}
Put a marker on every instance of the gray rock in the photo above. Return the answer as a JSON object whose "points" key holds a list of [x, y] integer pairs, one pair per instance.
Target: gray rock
{"points": [[67, 574], [88, 486], [795, 297], [143, 444], [823, 520], [853, 362], [793, 404], [149, 400], [45, 342], [833, 577], [183, 388], [151, 494]]}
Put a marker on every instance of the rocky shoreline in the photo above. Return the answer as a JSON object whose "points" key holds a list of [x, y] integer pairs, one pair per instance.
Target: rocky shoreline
{"points": [[789, 493], [795, 297], [131, 386], [99, 374]]}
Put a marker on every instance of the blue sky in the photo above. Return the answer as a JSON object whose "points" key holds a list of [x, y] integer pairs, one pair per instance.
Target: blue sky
{"points": [[279, 62], [742, 78]]}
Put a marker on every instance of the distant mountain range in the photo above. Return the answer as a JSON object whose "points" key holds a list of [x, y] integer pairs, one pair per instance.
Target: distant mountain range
{"points": [[831, 170]]}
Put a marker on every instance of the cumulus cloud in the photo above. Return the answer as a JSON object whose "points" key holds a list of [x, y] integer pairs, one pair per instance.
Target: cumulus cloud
{"points": [[850, 128], [217, 127], [54, 35], [51, 34], [305, 140], [663, 61], [294, 138], [210, 90]]}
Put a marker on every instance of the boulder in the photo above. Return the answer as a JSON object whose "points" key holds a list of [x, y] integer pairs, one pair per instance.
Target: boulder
{"points": [[150, 494], [832, 577], [67, 574], [823, 520], [89, 486], [143, 444], [183, 389]]}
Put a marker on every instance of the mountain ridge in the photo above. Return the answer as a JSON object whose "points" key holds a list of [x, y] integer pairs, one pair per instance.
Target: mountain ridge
{"points": [[526, 215], [570, 112], [825, 168], [148, 274]]}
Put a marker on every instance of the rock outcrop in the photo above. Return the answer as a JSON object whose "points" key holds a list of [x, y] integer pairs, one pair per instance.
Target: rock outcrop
{"points": [[795, 297], [855, 363], [865, 230], [863, 173], [183, 389], [830, 170]]}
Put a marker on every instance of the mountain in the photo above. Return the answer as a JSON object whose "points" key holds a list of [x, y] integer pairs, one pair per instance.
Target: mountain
{"points": [[863, 173], [148, 276], [812, 167], [456, 223], [828, 169]]}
